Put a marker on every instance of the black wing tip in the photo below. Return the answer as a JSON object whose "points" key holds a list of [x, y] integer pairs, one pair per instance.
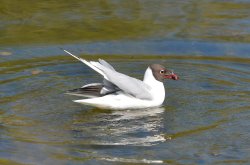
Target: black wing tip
{"points": [[91, 91]]}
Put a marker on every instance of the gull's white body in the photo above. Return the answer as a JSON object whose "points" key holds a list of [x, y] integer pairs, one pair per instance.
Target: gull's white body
{"points": [[132, 93], [121, 100]]}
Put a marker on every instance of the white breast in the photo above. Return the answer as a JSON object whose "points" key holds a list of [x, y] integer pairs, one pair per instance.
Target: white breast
{"points": [[157, 87]]}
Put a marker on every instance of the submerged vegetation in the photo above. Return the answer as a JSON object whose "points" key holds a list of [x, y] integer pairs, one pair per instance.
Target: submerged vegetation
{"points": [[74, 21]]}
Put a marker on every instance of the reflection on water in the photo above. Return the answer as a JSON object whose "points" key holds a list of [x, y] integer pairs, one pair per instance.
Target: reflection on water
{"points": [[120, 127]]}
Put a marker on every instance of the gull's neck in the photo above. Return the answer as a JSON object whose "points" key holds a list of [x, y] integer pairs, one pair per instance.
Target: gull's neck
{"points": [[157, 87], [149, 78]]}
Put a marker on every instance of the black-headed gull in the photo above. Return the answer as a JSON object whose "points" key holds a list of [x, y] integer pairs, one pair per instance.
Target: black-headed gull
{"points": [[119, 91]]}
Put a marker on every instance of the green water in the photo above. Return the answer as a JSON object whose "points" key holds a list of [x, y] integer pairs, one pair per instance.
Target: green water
{"points": [[63, 21], [205, 118]]}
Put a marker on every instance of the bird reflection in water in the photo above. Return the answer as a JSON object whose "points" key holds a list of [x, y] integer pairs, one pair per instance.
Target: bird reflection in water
{"points": [[140, 127]]}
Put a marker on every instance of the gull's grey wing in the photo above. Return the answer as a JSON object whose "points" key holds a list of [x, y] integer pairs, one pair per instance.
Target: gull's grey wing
{"points": [[106, 64], [108, 87], [114, 81], [128, 84]]}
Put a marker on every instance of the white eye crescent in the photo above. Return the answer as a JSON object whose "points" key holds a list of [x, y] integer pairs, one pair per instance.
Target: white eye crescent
{"points": [[162, 71]]}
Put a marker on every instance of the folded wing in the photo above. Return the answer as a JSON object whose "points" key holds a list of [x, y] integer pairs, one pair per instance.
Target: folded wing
{"points": [[118, 81]]}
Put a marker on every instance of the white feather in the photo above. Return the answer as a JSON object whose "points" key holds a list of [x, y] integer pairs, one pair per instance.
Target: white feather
{"points": [[87, 63]]}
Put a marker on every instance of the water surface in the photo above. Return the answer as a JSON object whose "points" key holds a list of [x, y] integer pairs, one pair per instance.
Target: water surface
{"points": [[204, 119]]}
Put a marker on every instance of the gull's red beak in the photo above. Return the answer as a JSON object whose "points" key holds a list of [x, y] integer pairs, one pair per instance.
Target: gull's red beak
{"points": [[171, 76]]}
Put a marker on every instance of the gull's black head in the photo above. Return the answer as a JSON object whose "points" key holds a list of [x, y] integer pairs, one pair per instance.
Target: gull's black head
{"points": [[160, 72]]}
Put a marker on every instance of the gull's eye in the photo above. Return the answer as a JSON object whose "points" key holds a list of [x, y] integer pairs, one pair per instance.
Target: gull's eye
{"points": [[162, 71]]}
